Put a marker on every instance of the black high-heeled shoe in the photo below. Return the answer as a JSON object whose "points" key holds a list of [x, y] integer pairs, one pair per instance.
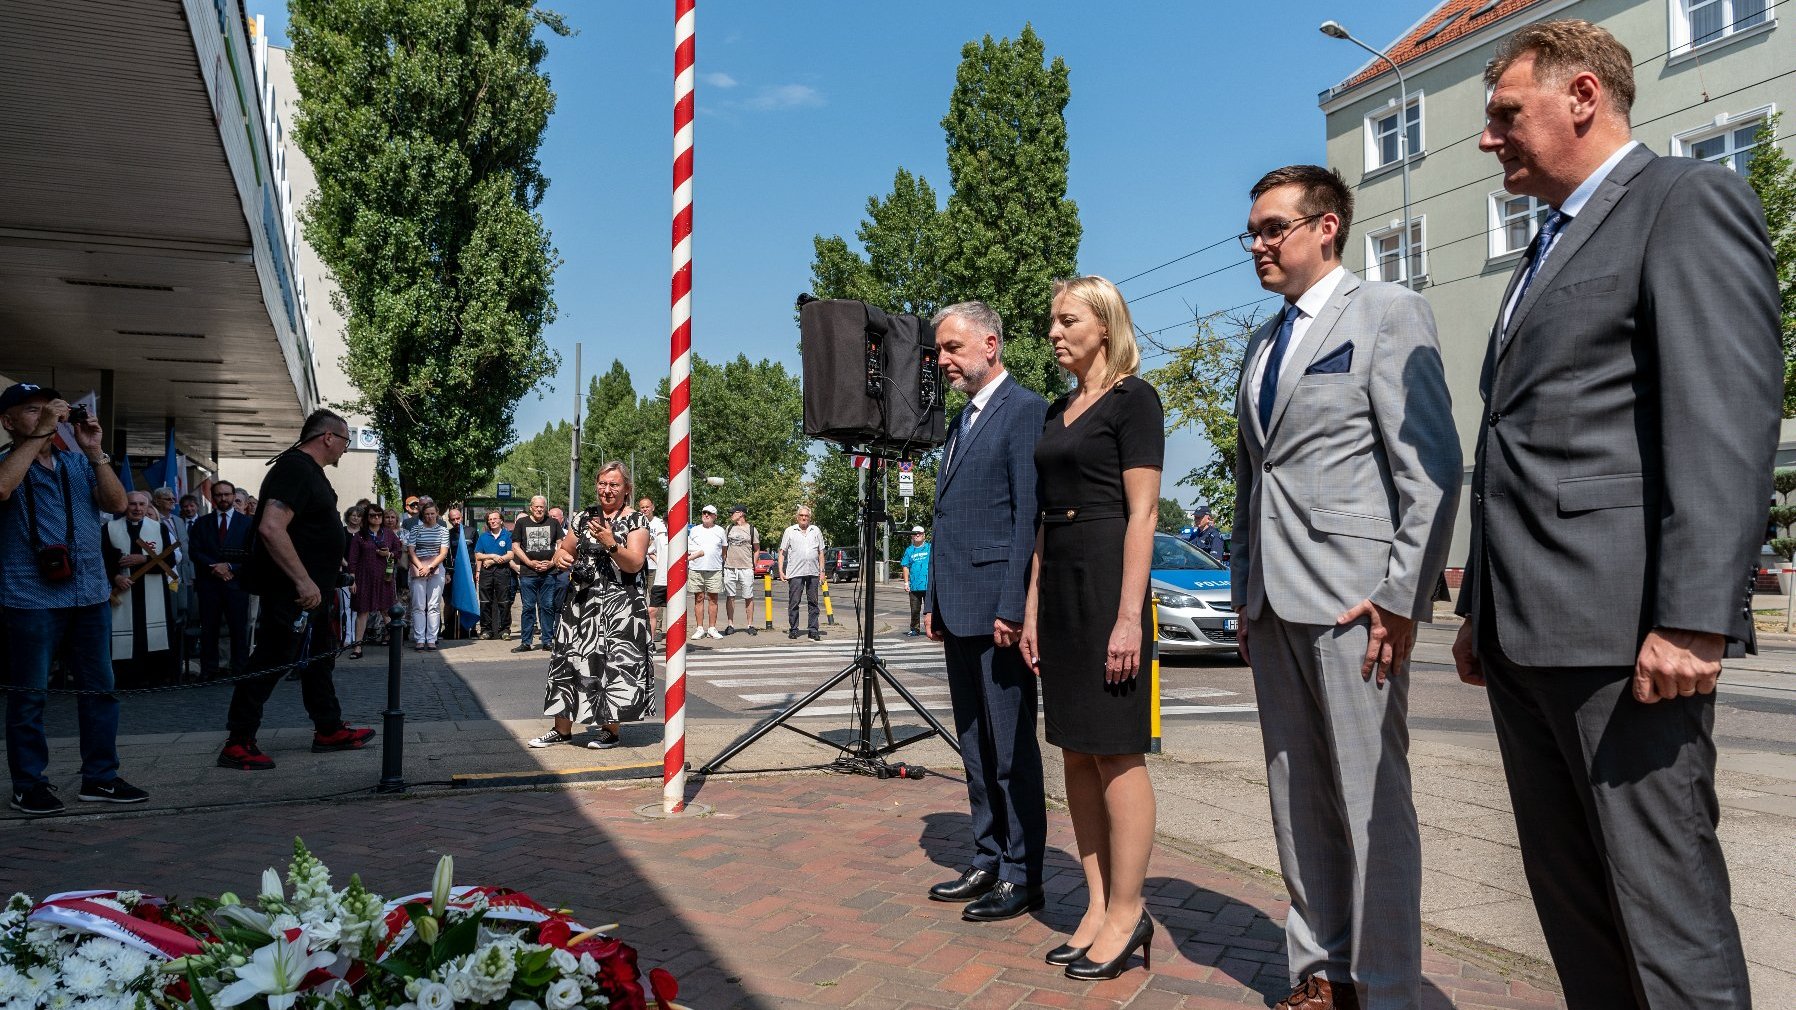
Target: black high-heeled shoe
{"points": [[1066, 954], [1143, 937]]}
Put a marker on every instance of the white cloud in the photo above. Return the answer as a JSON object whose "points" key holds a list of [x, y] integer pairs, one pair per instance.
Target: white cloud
{"points": [[719, 80], [784, 96]]}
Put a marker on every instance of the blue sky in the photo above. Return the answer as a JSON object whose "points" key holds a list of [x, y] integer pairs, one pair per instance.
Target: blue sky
{"points": [[805, 108]]}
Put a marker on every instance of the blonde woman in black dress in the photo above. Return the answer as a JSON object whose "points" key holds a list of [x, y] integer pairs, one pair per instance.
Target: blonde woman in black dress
{"points": [[1086, 628]]}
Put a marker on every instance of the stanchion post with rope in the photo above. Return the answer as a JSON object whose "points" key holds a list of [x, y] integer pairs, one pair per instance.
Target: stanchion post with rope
{"points": [[392, 744]]}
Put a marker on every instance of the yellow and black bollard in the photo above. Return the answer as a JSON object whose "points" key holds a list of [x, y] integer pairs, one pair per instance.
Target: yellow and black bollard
{"points": [[1153, 610], [767, 597], [829, 609]]}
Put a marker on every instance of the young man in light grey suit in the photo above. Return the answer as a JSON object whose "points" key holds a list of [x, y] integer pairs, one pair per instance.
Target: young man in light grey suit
{"points": [[1632, 391], [1346, 476]]}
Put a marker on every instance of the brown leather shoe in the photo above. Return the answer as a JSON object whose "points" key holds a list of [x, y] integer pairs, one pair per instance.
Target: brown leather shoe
{"points": [[1318, 993]]}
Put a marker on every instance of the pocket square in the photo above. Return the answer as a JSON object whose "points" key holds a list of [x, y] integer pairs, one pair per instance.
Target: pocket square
{"points": [[1339, 360]]}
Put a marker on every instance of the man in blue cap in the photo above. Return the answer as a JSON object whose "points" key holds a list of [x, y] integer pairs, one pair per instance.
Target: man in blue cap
{"points": [[1205, 534], [55, 595]]}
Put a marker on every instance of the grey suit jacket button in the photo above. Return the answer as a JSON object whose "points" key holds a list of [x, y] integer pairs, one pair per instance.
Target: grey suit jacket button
{"points": [[1267, 468], [1494, 418]]}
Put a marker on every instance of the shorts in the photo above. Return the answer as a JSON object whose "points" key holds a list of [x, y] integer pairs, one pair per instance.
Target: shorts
{"points": [[707, 582], [657, 596], [739, 583]]}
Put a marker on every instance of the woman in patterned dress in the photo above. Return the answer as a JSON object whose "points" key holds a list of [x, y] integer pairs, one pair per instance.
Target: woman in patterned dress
{"points": [[601, 670]]}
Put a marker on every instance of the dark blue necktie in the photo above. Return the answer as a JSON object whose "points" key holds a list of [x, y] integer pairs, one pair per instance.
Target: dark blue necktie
{"points": [[1275, 359], [1543, 245]]}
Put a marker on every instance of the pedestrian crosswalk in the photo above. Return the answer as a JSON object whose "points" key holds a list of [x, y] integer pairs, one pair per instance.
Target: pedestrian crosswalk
{"points": [[770, 679]]}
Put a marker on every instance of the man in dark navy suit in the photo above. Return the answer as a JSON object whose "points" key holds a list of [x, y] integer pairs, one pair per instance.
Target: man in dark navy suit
{"points": [[985, 519], [220, 545]]}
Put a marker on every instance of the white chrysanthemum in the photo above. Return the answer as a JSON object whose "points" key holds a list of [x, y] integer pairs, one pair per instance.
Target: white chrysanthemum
{"points": [[36, 982], [84, 976], [12, 984], [130, 898], [562, 994], [57, 999], [127, 962], [435, 996]]}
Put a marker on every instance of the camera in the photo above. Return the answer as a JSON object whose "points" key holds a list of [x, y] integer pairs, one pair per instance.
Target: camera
{"points": [[78, 415], [55, 563]]}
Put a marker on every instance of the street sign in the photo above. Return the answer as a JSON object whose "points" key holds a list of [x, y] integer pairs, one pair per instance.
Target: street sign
{"points": [[905, 465], [907, 482], [504, 492]]}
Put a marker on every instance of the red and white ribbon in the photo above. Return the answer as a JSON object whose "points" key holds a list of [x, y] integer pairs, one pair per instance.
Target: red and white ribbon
{"points": [[79, 912], [679, 429]]}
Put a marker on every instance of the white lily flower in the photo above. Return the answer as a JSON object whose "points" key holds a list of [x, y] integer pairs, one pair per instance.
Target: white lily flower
{"points": [[274, 971], [271, 885], [440, 884]]}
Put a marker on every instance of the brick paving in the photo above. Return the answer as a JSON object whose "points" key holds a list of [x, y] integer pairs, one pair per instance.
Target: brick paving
{"points": [[798, 890]]}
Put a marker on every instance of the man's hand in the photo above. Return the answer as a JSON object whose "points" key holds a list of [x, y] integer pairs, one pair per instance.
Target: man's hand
{"points": [[1387, 646], [122, 583], [1241, 636], [1677, 664], [930, 631], [308, 597], [133, 560], [1005, 633], [222, 571], [53, 412], [1465, 657]]}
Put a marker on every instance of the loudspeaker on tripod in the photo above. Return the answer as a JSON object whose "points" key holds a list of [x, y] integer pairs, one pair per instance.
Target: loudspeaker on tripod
{"points": [[871, 378]]}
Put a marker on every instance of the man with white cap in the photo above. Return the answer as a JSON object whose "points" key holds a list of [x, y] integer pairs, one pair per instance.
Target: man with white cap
{"points": [[916, 566], [705, 544]]}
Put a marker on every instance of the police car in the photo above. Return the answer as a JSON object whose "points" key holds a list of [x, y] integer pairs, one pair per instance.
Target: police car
{"points": [[1192, 591]]}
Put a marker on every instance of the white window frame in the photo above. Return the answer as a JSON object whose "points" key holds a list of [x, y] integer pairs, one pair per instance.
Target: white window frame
{"points": [[1419, 231], [1386, 111], [1499, 224], [1678, 18], [1722, 125]]}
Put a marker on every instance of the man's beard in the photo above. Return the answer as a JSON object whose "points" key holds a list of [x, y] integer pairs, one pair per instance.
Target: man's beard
{"points": [[971, 379]]}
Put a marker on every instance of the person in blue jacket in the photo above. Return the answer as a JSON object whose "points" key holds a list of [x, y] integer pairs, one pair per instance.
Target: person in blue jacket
{"points": [[916, 565], [1205, 535]]}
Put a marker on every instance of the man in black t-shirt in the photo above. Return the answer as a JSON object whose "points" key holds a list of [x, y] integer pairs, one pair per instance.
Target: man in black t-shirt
{"points": [[294, 561], [533, 540]]}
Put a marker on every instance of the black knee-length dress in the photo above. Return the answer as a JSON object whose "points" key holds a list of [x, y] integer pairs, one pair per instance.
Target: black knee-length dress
{"points": [[1079, 485]]}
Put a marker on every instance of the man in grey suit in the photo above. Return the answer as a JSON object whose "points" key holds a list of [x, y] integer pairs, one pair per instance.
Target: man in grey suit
{"points": [[1632, 391], [1346, 476], [978, 583]]}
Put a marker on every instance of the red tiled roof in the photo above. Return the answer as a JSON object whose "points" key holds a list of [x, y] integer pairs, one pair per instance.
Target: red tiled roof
{"points": [[1456, 15]]}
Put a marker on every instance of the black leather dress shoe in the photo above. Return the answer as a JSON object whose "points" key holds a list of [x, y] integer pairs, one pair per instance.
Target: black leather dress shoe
{"points": [[968, 886], [1006, 901]]}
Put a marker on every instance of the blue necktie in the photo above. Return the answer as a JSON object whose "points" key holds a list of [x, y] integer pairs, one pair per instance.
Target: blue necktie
{"points": [[1275, 359], [966, 424], [1543, 244]]}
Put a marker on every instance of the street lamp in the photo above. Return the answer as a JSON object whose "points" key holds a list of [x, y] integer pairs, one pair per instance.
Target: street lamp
{"points": [[1334, 30]]}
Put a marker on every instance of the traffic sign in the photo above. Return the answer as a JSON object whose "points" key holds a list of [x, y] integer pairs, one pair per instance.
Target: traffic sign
{"points": [[907, 483]]}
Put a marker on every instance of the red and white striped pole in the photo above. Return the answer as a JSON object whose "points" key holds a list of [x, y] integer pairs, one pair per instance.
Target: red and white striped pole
{"points": [[679, 429]]}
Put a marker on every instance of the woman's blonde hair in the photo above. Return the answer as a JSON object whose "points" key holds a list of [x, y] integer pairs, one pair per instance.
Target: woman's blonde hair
{"points": [[623, 472], [1122, 355]]}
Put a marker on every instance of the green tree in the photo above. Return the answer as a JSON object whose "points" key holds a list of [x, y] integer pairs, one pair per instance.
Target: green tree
{"points": [[1010, 231], [533, 466], [835, 501], [1173, 516], [1197, 387], [423, 122], [1773, 176], [1007, 230], [747, 422], [622, 426]]}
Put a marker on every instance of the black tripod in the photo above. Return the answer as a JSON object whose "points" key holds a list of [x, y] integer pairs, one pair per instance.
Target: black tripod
{"points": [[865, 672]]}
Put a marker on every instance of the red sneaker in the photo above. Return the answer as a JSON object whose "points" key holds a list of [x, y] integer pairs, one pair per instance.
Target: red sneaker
{"points": [[244, 757], [344, 738]]}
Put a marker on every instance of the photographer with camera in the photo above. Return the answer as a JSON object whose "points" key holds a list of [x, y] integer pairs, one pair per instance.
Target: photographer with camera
{"points": [[295, 566], [55, 593]]}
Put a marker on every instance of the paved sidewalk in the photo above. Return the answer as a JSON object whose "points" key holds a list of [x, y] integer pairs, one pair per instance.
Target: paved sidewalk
{"points": [[797, 890]]}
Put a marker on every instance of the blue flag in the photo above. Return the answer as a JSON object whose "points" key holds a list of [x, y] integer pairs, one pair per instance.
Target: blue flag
{"points": [[465, 597], [124, 474]]}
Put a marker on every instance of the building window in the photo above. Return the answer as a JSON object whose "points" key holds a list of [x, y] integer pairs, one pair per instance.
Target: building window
{"points": [[1514, 221], [1729, 140], [1385, 130], [1384, 257], [1699, 22]]}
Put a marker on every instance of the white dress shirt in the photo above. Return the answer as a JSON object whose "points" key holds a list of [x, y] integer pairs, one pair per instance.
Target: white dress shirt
{"points": [[1570, 208], [1308, 305]]}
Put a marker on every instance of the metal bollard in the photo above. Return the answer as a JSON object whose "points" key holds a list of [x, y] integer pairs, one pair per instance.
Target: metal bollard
{"points": [[829, 609], [392, 746], [1153, 611], [767, 597]]}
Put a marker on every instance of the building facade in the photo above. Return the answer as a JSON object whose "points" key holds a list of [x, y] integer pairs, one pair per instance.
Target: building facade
{"points": [[1709, 74]]}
